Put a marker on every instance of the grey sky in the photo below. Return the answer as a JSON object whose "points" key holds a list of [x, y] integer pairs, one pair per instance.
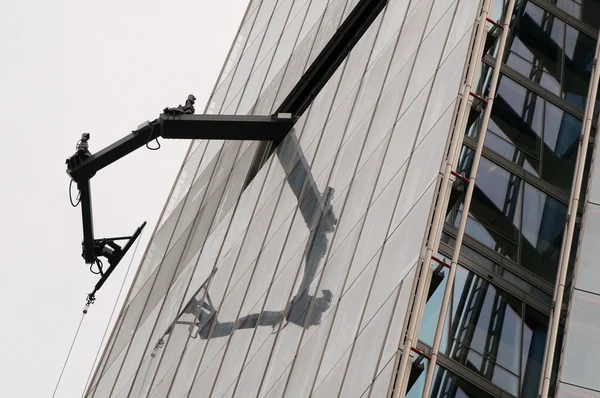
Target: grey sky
{"points": [[70, 67]]}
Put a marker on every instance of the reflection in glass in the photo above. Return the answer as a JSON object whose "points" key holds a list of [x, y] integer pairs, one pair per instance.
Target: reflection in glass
{"points": [[488, 331], [561, 138], [543, 227], [483, 329], [551, 53], [515, 127], [587, 11], [495, 213], [416, 379], [483, 81], [448, 385], [535, 329], [506, 214], [489, 265], [534, 46], [532, 133], [579, 57], [304, 310]]}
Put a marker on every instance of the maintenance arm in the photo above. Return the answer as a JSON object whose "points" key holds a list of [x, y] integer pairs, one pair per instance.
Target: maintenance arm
{"points": [[174, 123]]}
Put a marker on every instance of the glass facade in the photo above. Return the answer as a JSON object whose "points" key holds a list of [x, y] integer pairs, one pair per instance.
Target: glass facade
{"points": [[295, 279]]}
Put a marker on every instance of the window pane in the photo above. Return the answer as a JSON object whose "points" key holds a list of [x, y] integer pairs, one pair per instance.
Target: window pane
{"points": [[579, 56], [483, 329], [431, 313], [488, 333], [561, 138], [535, 50], [543, 226], [416, 381], [515, 126], [587, 11], [495, 213], [591, 13], [448, 385], [534, 343]]}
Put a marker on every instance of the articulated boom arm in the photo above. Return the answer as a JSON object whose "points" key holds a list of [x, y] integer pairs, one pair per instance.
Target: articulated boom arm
{"points": [[175, 123]]}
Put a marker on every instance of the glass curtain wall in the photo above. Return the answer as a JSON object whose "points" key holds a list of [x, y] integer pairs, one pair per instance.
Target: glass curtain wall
{"points": [[498, 317], [296, 282], [297, 285]]}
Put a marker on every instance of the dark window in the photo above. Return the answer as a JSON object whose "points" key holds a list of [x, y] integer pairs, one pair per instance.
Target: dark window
{"points": [[495, 213], [445, 384], [535, 329], [561, 143], [587, 11], [551, 53], [543, 227], [533, 134], [579, 57], [515, 128], [483, 329], [489, 332], [534, 46], [512, 217]]}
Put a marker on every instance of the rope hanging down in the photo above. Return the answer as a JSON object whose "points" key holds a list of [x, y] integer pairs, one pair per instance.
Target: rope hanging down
{"points": [[68, 355], [111, 317], [85, 310]]}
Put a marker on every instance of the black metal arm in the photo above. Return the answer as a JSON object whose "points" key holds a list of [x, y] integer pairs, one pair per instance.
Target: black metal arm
{"points": [[174, 123], [82, 166]]}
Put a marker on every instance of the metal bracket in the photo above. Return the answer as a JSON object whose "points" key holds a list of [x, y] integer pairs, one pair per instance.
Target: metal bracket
{"points": [[109, 249]]}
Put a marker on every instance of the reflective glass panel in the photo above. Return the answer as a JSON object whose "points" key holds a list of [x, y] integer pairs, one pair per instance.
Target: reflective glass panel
{"points": [[448, 385], [532, 133], [579, 57], [534, 47], [416, 381], [495, 212], [483, 329], [489, 332], [561, 138], [590, 13], [535, 328], [515, 127], [543, 226]]}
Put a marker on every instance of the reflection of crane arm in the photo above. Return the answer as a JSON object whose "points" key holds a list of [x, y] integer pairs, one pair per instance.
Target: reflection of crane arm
{"points": [[317, 211]]}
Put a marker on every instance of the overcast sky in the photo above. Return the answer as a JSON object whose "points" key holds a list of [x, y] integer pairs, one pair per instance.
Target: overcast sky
{"points": [[101, 67]]}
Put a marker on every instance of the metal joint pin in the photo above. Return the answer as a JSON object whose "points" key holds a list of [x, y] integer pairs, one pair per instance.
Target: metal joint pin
{"points": [[440, 261], [457, 175], [498, 24], [479, 97], [421, 353]]}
